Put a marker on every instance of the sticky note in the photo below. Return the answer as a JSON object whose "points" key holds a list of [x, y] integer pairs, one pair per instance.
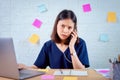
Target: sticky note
{"points": [[104, 38], [44, 70], [37, 23], [42, 8], [47, 77], [86, 8], [34, 38], [103, 71], [111, 17], [70, 78]]}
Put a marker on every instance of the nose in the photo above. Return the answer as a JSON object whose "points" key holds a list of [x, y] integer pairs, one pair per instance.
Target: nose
{"points": [[65, 29]]}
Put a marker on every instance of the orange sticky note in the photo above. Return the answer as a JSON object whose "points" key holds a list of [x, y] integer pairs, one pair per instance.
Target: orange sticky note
{"points": [[111, 17], [34, 38], [70, 78]]}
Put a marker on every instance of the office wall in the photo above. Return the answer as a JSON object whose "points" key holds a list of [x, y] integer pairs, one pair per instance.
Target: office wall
{"points": [[17, 16]]}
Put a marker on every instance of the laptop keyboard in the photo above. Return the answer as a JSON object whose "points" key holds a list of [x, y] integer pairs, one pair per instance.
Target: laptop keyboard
{"points": [[23, 73], [29, 73]]}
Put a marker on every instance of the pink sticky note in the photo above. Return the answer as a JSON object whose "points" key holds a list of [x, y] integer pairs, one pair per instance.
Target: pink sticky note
{"points": [[86, 8], [47, 77], [37, 23], [104, 71]]}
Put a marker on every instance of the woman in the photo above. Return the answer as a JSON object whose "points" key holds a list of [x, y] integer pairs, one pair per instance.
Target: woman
{"points": [[65, 50]]}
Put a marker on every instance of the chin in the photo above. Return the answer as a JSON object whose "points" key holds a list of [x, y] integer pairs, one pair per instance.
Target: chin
{"points": [[62, 38]]}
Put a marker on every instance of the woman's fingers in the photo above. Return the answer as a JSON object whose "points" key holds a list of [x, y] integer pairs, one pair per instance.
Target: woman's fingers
{"points": [[74, 34], [21, 66]]}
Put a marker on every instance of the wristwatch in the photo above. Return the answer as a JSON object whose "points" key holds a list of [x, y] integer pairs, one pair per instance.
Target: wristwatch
{"points": [[73, 54]]}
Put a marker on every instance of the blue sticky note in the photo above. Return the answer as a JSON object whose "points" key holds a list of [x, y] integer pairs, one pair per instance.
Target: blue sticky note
{"points": [[42, 8], [104, 38]]}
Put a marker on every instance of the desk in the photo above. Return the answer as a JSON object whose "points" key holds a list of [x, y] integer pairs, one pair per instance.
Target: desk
{"points": [[92, 75]]}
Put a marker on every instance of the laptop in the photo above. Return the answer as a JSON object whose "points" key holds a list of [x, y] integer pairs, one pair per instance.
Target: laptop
{"points": [[8, 62]]}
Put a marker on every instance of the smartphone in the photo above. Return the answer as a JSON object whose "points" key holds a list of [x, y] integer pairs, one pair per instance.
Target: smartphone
{"points": [[68, 39]]}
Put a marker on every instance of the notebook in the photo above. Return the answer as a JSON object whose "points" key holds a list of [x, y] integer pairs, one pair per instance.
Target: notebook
{"points": [[70, 72], [8, 62]]}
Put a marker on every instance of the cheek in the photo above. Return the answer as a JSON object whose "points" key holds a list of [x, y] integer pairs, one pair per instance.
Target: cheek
{"points": [[71, 30], [70, 33], [58, 30]]}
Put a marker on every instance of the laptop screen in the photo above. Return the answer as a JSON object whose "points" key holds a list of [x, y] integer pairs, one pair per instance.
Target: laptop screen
{"points": [[8, 63]]}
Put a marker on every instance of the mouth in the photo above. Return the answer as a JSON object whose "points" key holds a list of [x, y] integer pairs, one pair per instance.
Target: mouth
{"points": [[64, 36]]}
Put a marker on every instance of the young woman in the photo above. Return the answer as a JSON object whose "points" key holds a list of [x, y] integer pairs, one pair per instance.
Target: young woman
{"points": [[65, 50]]}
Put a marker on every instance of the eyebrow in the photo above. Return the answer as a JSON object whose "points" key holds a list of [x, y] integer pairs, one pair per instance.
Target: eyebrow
{"points": [[67, 25]]}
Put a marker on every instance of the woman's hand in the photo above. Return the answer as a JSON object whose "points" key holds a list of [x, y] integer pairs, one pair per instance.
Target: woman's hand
{"points": [[73, 39], [22, 66]]}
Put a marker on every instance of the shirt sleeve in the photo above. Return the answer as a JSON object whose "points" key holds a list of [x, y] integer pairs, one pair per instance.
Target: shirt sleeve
{"points": [[42, 59], [83, 53]]}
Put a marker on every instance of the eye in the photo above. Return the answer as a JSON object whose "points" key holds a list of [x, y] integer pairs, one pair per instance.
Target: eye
{"points": [[62, 26], [69, 28]]}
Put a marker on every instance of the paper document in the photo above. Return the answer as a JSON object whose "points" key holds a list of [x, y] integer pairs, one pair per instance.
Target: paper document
{"points": [[70, 72]]}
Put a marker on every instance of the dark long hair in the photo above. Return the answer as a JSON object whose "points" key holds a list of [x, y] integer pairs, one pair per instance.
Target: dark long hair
{"points": [[64, 14]]}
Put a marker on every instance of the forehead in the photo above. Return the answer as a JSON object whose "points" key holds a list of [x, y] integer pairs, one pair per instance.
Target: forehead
{"points": [[67, 22]]}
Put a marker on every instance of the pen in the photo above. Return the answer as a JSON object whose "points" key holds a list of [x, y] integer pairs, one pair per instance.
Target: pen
{"points": [[61, 71], [118, 57], [70, 72], [110, 60], [115, 60]]}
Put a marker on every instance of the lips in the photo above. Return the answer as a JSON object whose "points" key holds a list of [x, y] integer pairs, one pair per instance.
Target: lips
{"points": [[64, 36]]}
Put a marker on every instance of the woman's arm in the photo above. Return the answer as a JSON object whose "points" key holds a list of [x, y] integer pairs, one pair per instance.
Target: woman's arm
{"points": [[75, 60]]}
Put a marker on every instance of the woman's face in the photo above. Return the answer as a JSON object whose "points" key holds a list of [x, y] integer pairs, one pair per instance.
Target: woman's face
{"points": [[64, 28]]}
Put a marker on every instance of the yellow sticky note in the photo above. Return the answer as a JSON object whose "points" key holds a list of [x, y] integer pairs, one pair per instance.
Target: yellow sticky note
{"points": [[70, 78], [34, 38], [111, 17], [44, 70]]}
